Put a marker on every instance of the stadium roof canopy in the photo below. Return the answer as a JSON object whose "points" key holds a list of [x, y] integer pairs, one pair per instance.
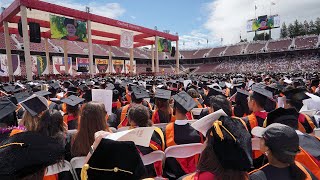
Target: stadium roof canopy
{"points": [[104, 30]]}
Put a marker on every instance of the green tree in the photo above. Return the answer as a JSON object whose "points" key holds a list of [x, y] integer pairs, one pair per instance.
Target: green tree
{"points": [[283, 31], [291, 30], [306, 27], [302, 29], [296, 28], [312, 28], [317, 23]]}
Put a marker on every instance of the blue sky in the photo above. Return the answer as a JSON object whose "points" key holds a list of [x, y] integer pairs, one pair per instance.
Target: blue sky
{"points": [[197, 20]]}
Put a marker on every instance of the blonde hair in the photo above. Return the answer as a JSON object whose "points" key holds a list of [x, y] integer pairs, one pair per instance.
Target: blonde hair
{"points": [[29, 122]]}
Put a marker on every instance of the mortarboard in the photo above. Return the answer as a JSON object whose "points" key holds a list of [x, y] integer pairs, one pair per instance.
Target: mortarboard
{"points": [[35, 105], [6, 107], [162, 94], [27, 153], [243, 91], [21, 96], [72, 100], [258, 90], [54, 85], [185, 100], [139, 92], [83, 87], [109, 86], [124, 162], [8, 88], [42, 93], [296, 94]]}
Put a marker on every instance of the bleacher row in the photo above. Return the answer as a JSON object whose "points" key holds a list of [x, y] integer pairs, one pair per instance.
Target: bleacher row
{"points": [[56, 46]]}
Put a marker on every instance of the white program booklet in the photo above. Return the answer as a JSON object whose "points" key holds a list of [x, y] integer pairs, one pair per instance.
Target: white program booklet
{"points": [[205, 123], [140, 136]]}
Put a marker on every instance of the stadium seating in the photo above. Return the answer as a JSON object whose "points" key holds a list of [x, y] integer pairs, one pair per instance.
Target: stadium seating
{"points": [[216, 52], [255, 47], [235, 49], [201, 53], [306, 42], [279, 45]]}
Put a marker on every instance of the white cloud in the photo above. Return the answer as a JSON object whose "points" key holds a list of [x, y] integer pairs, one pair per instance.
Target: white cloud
{"points": [[133, 17], [227, 18], [111, 10], [196, 39]]}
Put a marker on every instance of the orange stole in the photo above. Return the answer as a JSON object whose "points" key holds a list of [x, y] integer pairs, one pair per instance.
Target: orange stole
{"points": [[123, 117], [254, 123]]}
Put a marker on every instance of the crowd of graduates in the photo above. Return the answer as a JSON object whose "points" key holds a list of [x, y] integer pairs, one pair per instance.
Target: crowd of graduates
{"points": [[36, 119]]}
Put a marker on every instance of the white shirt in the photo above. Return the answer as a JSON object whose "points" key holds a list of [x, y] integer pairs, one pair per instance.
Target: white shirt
{"points": [[181, 122]]}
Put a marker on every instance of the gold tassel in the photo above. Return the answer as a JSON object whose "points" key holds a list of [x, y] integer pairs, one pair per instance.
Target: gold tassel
{"points": [[217, 128], [84, 175], [265, 123]]}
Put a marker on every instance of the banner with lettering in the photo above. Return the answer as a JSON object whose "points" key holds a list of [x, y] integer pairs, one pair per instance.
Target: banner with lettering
{"points": [[102, 65], [118, 66]]}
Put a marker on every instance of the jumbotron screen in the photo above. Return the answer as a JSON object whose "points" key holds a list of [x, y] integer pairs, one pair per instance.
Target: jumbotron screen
{"points": [[263, 23]]}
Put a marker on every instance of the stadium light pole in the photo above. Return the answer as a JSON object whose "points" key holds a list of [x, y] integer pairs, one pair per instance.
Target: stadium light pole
{"points": [[8, 50], [26, 42]]}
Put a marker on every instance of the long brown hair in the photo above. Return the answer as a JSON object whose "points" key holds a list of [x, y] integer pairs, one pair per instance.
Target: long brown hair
{"points": [[164, 106], [92, 120], [209, 162]]}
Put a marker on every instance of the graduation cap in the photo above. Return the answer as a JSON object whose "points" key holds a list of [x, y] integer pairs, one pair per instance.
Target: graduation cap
{"points": [[42, 93], [231, 142], [139, 92], [295, 94], [35, 105], [123, 161], [83, 87], [109, 86], [162, 94], [27, 153], [72, 100], [258, 90], [244, 92], [8, 89], [21, 96], [185, 100], [6, 107], [54, 85]]}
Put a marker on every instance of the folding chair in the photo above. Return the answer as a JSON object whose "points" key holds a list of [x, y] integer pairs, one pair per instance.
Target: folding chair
{"points": [[77, 163], [153, 157], [59, 168], [184, 150], [161, 125]]}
